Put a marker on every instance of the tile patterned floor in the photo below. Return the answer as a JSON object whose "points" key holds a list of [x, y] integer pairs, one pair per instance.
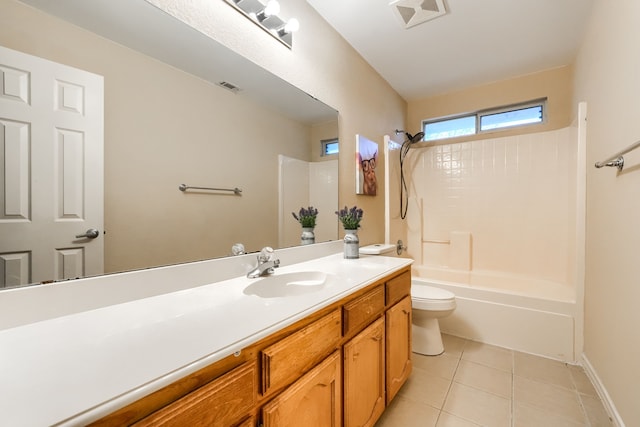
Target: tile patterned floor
{"points": [[474, 384]]}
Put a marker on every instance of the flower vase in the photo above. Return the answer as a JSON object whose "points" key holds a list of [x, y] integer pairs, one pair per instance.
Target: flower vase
{"points": [[307, 236], [351, 244]]}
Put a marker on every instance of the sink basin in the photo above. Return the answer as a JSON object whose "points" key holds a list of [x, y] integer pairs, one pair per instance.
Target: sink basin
{"points": [[288, 284]]}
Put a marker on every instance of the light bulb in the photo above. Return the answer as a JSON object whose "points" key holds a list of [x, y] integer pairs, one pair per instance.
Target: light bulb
{"points": [[272, 8], [292, 26]]}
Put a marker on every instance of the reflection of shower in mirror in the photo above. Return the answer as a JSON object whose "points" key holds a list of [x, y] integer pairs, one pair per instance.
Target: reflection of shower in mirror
{"points": [[302, 183]]}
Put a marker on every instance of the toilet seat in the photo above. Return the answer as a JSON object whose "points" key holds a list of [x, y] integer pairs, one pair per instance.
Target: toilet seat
{"points": [[431, 298]]}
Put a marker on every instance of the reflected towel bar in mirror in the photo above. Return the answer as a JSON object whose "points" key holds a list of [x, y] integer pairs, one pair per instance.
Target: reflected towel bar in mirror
{"points": [[185, 187]]}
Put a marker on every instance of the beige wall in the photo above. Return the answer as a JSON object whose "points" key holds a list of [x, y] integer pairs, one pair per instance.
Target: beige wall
{"points": [[324, 65], [607, 73], [554, 84], [152, 146]]}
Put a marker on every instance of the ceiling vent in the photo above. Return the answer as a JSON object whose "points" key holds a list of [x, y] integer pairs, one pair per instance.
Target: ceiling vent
{"points": [[229, 86], [414, 12]]}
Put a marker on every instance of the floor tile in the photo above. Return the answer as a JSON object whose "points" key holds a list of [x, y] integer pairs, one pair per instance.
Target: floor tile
{"points": [[474, 384], [581, 381], [596, 413], [448, 420], [443, 365], [488, 355], [424, 388], [548, 397], [453, 346], [543, 370], [485, 378], [529, 416], [407, 413], [478, 406]]}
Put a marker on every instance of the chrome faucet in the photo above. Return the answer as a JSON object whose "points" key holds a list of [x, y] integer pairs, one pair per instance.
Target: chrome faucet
{"points": [[266, 264]]}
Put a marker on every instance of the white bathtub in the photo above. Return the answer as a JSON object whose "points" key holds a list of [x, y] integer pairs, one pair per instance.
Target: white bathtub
{"points": [[528, 315]]}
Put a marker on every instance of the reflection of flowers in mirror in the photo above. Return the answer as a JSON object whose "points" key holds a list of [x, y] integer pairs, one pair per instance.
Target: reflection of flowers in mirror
{"points": [[350, 218], [307, 216]]}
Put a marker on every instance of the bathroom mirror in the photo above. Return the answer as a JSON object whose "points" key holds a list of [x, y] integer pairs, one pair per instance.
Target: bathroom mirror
{"points": [[180, 108]]}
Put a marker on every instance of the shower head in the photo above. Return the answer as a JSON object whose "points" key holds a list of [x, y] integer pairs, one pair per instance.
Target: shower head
{"points": [[415, 138], [411, 139]]}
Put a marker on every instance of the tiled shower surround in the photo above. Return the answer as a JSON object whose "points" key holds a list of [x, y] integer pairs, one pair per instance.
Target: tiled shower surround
{"points": [[513, 197]]}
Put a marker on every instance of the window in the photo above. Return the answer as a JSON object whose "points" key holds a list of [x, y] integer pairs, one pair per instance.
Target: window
{"points": [[450, 128], [330, 147], [484, 121], [522, 116]]}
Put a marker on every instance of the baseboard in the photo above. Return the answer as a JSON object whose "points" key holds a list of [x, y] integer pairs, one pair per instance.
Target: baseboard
{"points": [[602, 392]]}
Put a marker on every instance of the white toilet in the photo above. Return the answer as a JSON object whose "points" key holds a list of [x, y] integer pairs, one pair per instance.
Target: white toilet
{"points": [[428, 303]]}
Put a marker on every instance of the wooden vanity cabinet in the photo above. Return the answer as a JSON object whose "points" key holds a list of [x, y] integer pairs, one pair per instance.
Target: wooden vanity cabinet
{"points": [[223, 402], [377, 361], [339, 366], [360, 311], [364, 376], [315, 400], [288, 359], [398, 287], [398, 346]]}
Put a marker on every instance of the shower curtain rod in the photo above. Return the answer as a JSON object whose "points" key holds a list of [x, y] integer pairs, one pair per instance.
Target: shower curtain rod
{"points": [[617, 160]]}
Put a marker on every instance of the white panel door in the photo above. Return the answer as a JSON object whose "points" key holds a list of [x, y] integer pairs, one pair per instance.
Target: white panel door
{"points": [[51, 170]]}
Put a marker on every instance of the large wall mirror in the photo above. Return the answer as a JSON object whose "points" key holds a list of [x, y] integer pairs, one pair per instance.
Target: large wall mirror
{"points": [[168, 121]]}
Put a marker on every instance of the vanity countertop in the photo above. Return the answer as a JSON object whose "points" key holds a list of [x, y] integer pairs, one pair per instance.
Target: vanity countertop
{"points": [[75, 369]]}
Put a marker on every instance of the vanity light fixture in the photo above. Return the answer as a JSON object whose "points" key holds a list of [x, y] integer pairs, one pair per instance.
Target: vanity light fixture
{"points": [[270, 9], [266, 17]]}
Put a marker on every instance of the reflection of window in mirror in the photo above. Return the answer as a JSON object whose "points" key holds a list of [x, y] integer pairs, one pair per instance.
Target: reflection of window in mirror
{"points": [[330, 147]]}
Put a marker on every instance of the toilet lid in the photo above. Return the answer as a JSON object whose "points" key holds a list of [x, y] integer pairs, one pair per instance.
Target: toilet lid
{"points": [[430, 292]]}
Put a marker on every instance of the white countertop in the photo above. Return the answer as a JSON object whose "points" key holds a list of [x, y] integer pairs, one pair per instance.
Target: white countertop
{"points": [[75, 369]]}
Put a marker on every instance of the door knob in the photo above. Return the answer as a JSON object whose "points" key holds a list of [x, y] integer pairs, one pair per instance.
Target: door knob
{"points": [[91, 233]]}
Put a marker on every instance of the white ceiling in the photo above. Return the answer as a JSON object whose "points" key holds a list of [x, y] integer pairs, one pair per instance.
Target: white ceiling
{"points": [[475, 42]]}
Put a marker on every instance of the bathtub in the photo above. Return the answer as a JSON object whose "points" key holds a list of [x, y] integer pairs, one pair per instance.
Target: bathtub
{"points": [[528, 315]]}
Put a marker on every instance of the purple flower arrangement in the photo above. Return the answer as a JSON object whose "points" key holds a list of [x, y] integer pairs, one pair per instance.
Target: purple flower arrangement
{"points": [[350, 218], [306, 217]]}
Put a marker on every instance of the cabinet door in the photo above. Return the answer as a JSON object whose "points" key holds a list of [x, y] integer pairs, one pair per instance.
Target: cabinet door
{"points": [[223, 402], [398, 327], [315, 400], [364, 379]]}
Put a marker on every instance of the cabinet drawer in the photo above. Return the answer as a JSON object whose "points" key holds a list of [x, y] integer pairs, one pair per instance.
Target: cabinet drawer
{"points": [[223, 402], [398, 287], [362, 310], [289, 358]]}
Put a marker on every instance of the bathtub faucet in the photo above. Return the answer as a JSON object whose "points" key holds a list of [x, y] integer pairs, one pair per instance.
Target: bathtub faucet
{"points": [[266, 264]]}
